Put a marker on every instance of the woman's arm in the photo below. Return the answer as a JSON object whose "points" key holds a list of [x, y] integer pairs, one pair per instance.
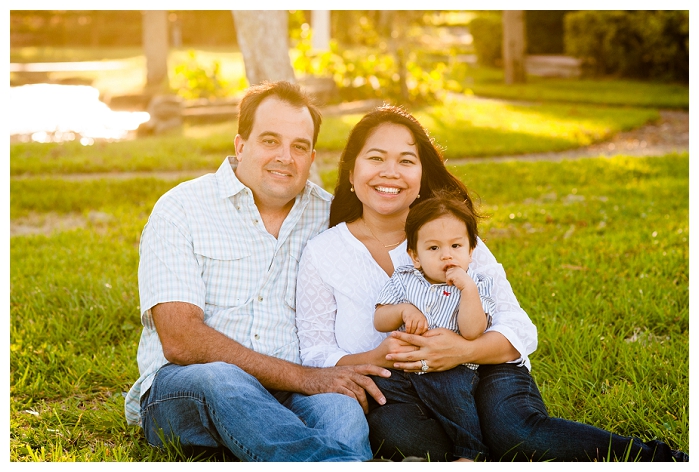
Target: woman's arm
{"points": [[316, 309], [508, 318], [378, 355]]}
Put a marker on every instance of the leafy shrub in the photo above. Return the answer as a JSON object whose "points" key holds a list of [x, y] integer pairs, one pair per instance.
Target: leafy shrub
{"points": [[193, 80], [487, 38], [364, 73], [635, 44], [544, 31]]}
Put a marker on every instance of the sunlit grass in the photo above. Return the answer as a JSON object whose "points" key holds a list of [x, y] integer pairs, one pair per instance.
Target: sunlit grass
{"points": [[596, 251], [488, 82], [464, 126]]}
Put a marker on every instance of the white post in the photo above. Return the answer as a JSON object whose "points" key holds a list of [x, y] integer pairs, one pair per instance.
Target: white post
{"points": [[320, 24]]}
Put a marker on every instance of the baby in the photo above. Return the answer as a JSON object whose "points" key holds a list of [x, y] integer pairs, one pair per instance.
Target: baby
{"points": [[439, 291]]}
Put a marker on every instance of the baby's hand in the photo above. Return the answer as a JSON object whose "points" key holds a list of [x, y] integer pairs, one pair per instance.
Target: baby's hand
{"points": [[458, 277], [415, 321]]}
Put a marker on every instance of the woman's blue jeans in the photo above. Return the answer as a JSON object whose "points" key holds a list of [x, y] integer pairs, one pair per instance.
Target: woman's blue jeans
{"points": [[209, 406], [515, 427]]}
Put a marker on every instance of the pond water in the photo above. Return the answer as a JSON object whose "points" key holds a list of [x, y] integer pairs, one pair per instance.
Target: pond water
{"points": [[47, 113]]}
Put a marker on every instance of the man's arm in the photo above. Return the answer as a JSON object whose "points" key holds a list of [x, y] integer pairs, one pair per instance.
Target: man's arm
{"points": [[186, 339]]}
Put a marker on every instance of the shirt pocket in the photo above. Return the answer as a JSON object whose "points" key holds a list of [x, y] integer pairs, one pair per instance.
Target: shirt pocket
{"points": [[227, 270]]}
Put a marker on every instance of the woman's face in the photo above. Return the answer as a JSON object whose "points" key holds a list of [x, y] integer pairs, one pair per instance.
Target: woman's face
{"points": [[387, 172]]}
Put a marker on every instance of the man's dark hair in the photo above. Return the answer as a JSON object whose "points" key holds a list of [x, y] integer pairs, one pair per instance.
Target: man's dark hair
{"points": [[441, 204], [346, 207], [284, 91]]}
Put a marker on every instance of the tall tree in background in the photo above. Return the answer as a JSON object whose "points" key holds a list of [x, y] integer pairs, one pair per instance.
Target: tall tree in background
{"points": [[513, 46], [263, 38], [155, 48]]}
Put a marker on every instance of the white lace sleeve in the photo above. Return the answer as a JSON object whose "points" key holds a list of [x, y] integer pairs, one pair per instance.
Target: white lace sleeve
{"points": [[509, 318], [315, 314]]}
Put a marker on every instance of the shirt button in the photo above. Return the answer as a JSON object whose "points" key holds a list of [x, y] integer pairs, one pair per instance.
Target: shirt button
{"points": [[259, 299], [257, 336], [433, 288]]}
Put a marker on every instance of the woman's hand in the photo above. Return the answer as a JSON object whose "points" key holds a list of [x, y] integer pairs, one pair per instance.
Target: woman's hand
{"points": [[377, 356], [441, 348], [394, 346]]}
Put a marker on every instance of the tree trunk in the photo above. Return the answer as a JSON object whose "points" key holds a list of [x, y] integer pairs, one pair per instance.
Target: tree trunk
{"points": [[320, 22], [155, 47], [263, 38], [513, 46]]}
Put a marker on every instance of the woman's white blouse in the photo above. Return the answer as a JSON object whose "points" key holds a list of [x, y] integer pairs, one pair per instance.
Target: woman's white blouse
{"points": [[338, 285]]}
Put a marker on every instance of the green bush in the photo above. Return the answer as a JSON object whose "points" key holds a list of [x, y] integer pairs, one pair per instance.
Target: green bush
{"points": [[364, 73], [487, 38], [544, 31], [633, 44], [193, 80]]}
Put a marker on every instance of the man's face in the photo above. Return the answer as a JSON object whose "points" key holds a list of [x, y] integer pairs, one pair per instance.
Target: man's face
{"points": [[275, 160]]}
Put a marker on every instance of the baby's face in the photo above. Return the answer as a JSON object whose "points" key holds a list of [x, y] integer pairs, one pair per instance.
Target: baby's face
{"points": [[441, 244]]}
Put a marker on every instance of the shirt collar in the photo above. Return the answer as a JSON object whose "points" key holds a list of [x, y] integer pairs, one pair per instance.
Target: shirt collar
{"points": [[407, 269]]}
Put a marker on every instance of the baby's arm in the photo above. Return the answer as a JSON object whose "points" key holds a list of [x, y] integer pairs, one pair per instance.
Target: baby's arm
{"points": [[471, 319], [391, 317]]}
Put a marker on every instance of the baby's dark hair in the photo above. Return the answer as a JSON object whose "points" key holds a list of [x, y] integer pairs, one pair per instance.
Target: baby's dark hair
{"points": [[442, 203]]}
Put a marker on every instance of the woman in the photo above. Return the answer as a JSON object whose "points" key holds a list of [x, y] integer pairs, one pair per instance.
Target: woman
{"points": [[389, 163]]}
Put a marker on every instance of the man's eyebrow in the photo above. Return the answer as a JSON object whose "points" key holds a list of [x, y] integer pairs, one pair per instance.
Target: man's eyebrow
{"points": [[303, 140], [279, 136]]}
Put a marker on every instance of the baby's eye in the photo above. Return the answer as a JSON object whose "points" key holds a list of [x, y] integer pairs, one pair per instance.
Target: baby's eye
{"points": [[432, 248], [456, 245]]}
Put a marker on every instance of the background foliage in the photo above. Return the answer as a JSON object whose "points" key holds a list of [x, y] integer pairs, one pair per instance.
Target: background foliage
{"points": [[639, 44]]}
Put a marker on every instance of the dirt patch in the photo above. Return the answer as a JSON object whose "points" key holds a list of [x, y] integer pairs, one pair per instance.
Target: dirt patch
{"points": [[49, 223], [670, 134]]}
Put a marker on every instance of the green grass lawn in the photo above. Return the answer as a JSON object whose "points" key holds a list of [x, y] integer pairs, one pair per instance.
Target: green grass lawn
{"points": [[596, 250], [464, 126], [489, 82]]}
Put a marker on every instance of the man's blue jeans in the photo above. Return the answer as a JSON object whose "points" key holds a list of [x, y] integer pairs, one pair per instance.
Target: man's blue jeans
{"points": [[208, 406], [448, 397], [515, 426]]}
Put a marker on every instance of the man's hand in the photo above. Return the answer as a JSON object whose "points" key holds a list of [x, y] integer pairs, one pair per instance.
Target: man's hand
{"points": [[348, 380], [415, 322]]}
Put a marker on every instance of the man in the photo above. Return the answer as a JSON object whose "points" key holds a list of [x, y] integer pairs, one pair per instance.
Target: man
{"points": [[219, 356]]}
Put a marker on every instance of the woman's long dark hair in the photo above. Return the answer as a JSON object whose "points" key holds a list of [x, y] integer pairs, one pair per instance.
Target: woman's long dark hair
{"points": [[346, 207]]}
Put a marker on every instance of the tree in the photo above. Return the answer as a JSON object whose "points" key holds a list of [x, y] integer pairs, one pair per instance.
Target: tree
{"points": [[263, 38], [155, 47], [513, 46], [320, 22]]}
